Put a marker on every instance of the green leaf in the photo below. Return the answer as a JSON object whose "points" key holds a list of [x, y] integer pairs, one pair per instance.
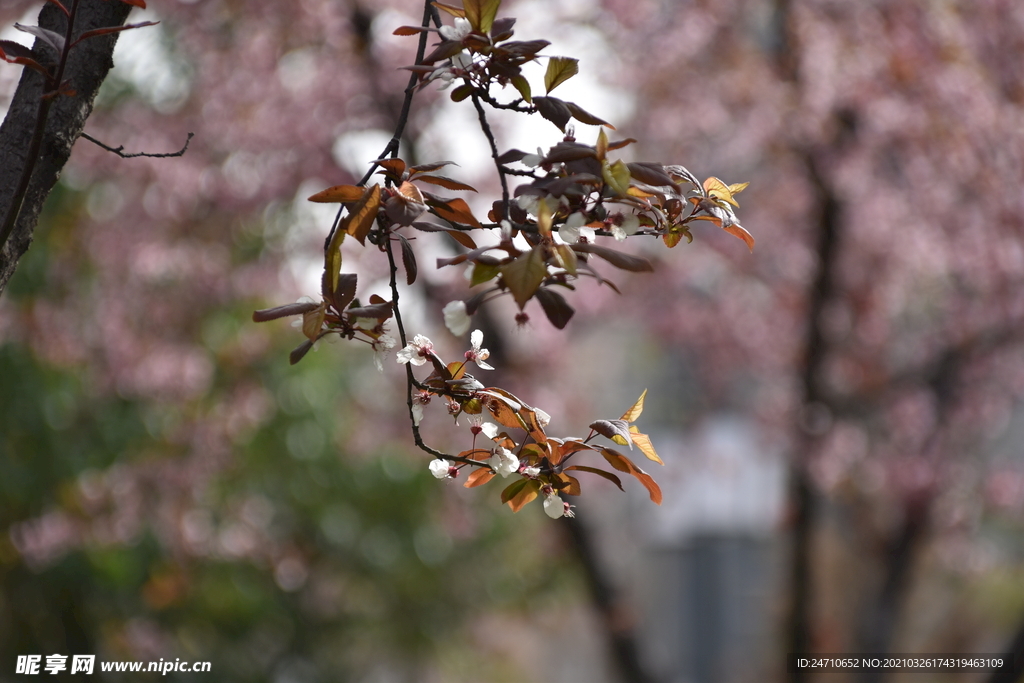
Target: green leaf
{"points": [[560, 69], [483, 272], [462, 92], [523, 86], [524, 275], [481, 13], [617, 176]]}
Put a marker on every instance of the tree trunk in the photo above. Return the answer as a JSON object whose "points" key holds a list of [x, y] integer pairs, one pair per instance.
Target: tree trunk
{"points": [[87, 67]]}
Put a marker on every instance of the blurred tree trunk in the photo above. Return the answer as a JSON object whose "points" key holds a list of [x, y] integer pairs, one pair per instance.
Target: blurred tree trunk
{"points": [[88, 65]]}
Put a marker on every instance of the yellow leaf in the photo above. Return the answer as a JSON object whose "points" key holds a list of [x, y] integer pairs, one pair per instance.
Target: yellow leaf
{"points": [[634, 412], [716, 188], [736, 188], [643, 442]]}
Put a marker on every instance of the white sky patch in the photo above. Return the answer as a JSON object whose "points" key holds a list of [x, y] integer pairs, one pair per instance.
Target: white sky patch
{"points": [[143, 61], [355, 150]]}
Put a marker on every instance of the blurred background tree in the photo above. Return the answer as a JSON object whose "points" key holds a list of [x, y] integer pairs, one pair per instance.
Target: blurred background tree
{"points": [[171, 489]]}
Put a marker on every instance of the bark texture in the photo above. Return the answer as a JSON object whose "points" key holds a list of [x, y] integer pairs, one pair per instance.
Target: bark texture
{"points": [[88, 65]]}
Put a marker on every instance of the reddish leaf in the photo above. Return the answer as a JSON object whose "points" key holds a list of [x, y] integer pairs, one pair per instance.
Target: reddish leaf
{"points": [[445, 50], [16, 53], [462, 238], [616, 430], [554, 110], [444, 182], [478, 478], [624, 464], [299, 352], [394, 167], [429, 167], [135, 3], [601, 473], [556, 308], [454, 210], [584, 116], [408, 30], [374, 311], [266, 314], [63, 9], [524, 495], [512, 489], [567, 484], [344, 194], [618, 259], [408, 260], [363, 214]]}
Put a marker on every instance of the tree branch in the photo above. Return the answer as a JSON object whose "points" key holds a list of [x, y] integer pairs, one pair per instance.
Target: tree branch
{"points": [[86, 68], [119, 151]]}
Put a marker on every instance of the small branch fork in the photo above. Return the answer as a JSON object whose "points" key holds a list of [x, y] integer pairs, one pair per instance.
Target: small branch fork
{"points": [[119, 151]]}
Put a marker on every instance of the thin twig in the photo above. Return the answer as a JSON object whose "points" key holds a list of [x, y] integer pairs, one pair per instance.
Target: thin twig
{"points": [[119, 151], [391, 149], [486, 128]]}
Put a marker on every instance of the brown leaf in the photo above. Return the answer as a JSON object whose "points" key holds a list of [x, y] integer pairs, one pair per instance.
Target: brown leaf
{"points": [[554, 110], [643, 442], [618, 259], [363, 214], [556, 308], [478, 478], [344, 194], [443, 181], [266, 314], [601, 473], [624, 464], [525, 495], [408, 260], [454, 210]]}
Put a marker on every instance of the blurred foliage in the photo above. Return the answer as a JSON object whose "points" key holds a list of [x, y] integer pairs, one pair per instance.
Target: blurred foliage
{"points": [[293, 558]]}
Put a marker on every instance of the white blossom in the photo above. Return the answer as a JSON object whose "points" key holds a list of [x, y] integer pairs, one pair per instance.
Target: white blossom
{"points": [[477, 354], [381, 346], [630, 224], [503, 461], [532, 472], [460, 30], [554, 507], [439, 468], [456, 319], [416, 352]]}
